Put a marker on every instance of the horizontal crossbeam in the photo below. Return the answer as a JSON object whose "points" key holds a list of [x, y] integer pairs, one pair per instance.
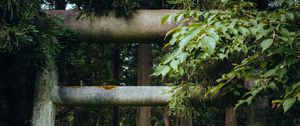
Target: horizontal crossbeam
{"points": [[111, 95], [144, 26]]}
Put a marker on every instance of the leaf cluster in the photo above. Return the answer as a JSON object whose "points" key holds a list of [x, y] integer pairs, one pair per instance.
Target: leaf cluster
{"points": [[259, 45], [27, 33], [103, 7]]}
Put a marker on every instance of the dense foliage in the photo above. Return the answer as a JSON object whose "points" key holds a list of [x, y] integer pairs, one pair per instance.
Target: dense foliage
{"points": [[28, 41], [251, 49], [251, 52], [26, 30]]}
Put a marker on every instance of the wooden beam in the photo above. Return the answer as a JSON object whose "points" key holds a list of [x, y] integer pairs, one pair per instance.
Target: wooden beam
{"points": [[144, 26], [111, 95]]}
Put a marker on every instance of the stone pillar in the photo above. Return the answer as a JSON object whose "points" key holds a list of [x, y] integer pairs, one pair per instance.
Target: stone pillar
{"points": [[44, 107]]}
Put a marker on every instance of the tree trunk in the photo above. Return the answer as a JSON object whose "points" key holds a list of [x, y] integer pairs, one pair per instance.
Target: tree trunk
{"points": [[116, 110], [184, 121], [143, 78], [257, 112], [98, 118], [116, 116], [230, 116], [60, 4], [44, 108], [78, 116], [166, 117]]}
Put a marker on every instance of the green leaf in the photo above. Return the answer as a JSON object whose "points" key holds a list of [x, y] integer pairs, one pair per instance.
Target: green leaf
{"points": [[244, 31], [222, 56], [212, 33], [171, 32], [224, 1], [164, 19], [175, 37], [211, 18], [167, 58], [266, 44], [285, 32], [261, 33], [281, 72], [270, 73], [179, 17], [181, 71], [287, 104], [171, 55], [191, 34], [182, 57], [234, 31], [249, 100], [174, 65], [282, 18], [240, 102], [272, 86], [255, 92], [298, 97], [208, 44], [214, 91], [290, 15], [161, 70]]}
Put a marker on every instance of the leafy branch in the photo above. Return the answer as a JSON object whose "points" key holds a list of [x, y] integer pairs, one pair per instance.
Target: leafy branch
{"points": [[260, 45]]}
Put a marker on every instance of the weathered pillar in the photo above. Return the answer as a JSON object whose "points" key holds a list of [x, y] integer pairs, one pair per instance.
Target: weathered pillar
{"points": [[44, 108]]}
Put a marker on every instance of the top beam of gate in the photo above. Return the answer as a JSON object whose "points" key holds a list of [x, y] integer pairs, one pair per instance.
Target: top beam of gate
{"points": [[143, 26]]}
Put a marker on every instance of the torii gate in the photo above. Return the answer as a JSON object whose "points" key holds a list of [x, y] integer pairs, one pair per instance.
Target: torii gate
{"points": [[143, 26]]}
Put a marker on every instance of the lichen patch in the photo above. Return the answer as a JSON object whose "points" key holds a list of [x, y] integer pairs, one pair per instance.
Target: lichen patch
{"points": [[107, 87]]}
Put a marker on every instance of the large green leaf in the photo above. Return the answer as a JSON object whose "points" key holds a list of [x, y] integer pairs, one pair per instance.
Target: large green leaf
{"points": [[281, 72], [287, 104], [164, 19], [191, 34], [182, 57], [161, 70], [266, 44], [261, 34], [244, 31], [208, 44], [270, 72], [171, 55], [215, 90], [174, 65]]}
